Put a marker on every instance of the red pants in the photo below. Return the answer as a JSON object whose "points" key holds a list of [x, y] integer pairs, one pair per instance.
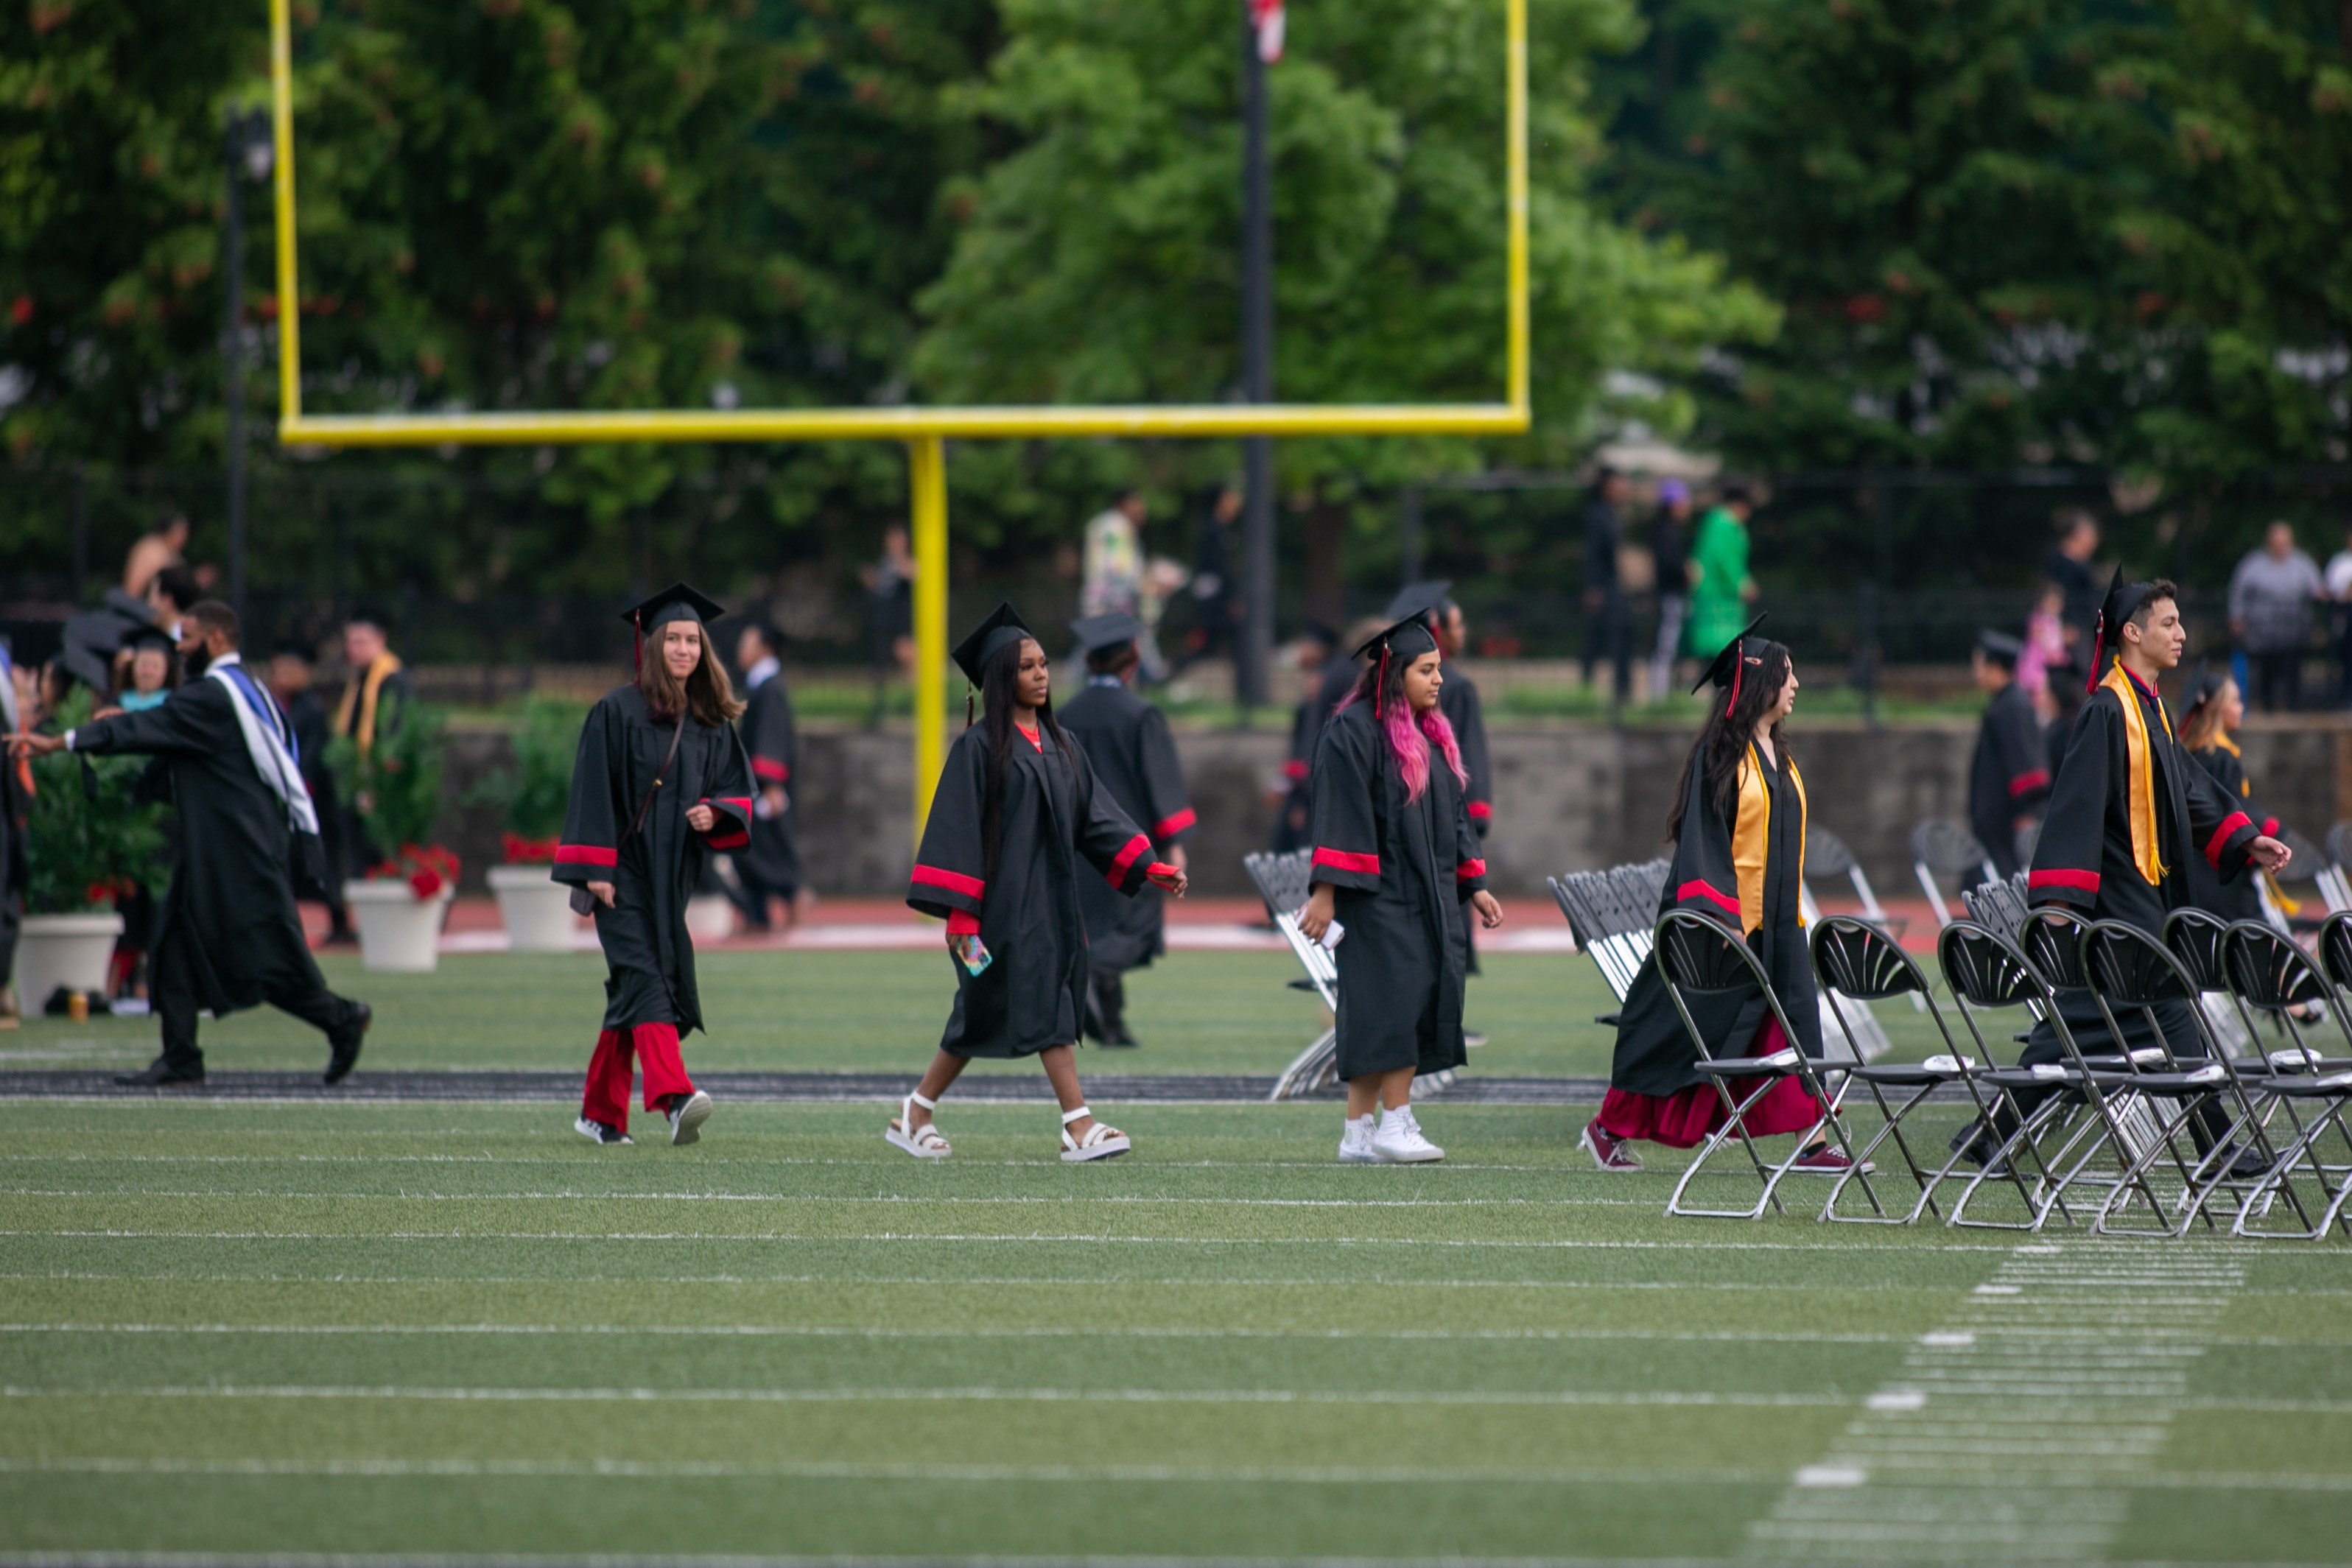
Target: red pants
{"points": [[1682, 1120], [606, 1097]]}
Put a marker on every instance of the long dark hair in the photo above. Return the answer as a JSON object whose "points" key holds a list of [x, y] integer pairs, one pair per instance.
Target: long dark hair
{"points": [[996, 690], [1731, 725]]}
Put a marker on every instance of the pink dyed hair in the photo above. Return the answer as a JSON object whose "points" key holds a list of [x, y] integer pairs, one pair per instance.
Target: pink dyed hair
{"points": [[1411, 751]]}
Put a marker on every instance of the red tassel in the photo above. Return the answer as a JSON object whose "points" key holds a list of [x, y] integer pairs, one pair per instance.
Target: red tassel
{"points": [[2098, 646], [1738, 658], [1382, 683], [637, 644]]}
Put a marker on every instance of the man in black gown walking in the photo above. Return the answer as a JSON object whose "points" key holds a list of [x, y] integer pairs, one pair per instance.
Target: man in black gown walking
{"points": [[229, 935]]}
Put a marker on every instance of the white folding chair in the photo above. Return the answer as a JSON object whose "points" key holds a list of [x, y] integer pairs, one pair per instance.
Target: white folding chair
{"points": [[1941, 847], [1611, 914], [1282, 881]]}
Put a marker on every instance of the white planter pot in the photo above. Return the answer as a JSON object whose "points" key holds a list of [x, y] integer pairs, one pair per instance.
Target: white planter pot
{"points": [[709, 917], [397, 929], [69, 950], [535, 909]]}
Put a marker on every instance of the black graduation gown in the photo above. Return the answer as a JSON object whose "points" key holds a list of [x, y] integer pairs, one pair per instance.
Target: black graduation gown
{"points": [[1399, 871], [230, 900], [1457, 699], [773, 859], [2009, 777], [2240, 898], [1127, 741], [305, 716], [1748, 868], [2084, 859], [648, 957], [1055, 814]]}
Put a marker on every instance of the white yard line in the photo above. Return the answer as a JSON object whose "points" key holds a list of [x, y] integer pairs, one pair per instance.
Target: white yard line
{"points": [[1094, 1282], [817, 1331], [909, 1199], [1081, 1238], [2016, 1427], [975, 1392]]}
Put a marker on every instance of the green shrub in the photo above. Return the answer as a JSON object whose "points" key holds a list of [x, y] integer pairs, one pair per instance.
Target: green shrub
{"points": [[533, 794], [397, 785], [84, 853]]}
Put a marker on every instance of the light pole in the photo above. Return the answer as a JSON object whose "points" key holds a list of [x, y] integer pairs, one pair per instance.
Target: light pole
{"points": [[1261, 44], [246, 153]]}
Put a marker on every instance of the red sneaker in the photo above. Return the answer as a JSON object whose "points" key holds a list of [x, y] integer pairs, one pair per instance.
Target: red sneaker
{"points": [[1823, 1160], [1608, 1153]]}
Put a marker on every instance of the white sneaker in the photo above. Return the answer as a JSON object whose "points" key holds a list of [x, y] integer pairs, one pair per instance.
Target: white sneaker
{"points": [[1399, 1140], [686, 1118], [1356, 1141]]}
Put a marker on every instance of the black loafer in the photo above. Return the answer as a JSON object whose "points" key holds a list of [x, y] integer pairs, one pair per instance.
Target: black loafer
{"points": [[346, 1046]]}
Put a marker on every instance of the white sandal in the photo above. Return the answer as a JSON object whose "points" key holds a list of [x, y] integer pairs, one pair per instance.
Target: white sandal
{"points": [[924, 1143], [1099, 1143]]}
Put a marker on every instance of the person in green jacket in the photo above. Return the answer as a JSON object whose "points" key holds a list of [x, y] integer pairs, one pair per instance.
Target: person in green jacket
{"points": [[1721, 588]]}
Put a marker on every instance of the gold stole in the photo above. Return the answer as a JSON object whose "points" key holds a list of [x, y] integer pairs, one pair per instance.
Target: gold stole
{"points": [[1751, 830], [361, 695], [2139, 783]]}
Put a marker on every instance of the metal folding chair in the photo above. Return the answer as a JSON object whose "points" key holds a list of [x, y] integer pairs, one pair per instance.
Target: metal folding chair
{"points": [[1998, 907], [1986, 972], [1826, 854], [2196, 937], [1941, 847], [1282, 881], [2335, 882], [1701, 955], [2274, 975], [2131, 969], [1859, 960], [1610, 914]]}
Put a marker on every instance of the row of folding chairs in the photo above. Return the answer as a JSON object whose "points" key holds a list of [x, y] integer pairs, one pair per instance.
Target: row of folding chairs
{"points": [[2148, 1139]]}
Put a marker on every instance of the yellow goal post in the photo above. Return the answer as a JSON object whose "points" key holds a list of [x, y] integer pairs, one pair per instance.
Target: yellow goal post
{"points": [[922, 430]]}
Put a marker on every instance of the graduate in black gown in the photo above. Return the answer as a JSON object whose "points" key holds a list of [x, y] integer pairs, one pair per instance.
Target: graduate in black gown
{"points": [[1134, 758], [1737, 825], [1459, 701], [16, 810], [659, 782], [1018, 811], [2211, 711], [2008, 776], [770, 865], [1294, 810], [228, 934], [2128, 810], [1395, 859]]}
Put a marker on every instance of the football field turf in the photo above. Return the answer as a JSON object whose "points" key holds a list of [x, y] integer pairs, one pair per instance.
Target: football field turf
{"points": [[232, 1328]]}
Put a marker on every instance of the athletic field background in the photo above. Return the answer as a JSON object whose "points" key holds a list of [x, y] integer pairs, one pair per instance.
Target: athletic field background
{"points": [[454, 1329]]}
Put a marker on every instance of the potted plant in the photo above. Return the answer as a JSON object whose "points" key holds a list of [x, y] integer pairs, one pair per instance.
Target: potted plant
{"points": [[89, 842], [535, 908], [400, 904]]}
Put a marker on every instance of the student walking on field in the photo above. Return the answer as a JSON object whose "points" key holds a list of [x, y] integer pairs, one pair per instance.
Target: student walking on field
{"points": [[1395, 859], [1018, 808], [660, 782]]}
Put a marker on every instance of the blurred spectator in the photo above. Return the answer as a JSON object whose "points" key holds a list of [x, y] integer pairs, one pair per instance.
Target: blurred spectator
{"points": [[2339, 618], [1721, 588], [164, 545], [154, 670], [374, 693], [2069, 566], [2046, 647], [17, 697], [2270, 595], [170, 592], [1607, 634], [1670, 549], [1216, 606], [1112, 569], [288, 679], [890, 615]]}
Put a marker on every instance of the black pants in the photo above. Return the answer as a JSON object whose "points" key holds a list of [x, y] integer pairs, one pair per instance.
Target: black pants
{"points": [[12, 921], [172, 991], [2277, 677], [1610, 635]]}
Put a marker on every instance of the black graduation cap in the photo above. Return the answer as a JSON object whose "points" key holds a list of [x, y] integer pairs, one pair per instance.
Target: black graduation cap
{"points": [[1096, 632], [1419, 599], [1407, 637], [2203, 683], [2122, 602], [86, 666], [152, 637], [1999, 647], [1003, 628], [676, 603], [1723, 670]]}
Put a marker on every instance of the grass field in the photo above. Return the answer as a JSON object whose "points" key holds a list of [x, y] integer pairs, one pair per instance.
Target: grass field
{"points": [[230, 1329]]}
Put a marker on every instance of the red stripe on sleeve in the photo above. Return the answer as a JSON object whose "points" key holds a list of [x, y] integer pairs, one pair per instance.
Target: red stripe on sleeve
{"points": [[1137, 847], [2230, 824], [1170, 826], [1691, 890], [586, 854], [740, 802], [1468, 869], [953, 881], [734, 841], [1480, 810], [1295, 770], [767, 767], [2080, 881], [2025, 782], [2270, 827], [1344, 860]]}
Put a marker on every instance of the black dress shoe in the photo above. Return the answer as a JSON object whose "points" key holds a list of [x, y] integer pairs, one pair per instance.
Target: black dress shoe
{"points": [[346, 1045], [157, 1075]]}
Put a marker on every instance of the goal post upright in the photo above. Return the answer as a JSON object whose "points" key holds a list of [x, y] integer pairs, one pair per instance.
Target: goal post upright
{"points": [[923, 430]]}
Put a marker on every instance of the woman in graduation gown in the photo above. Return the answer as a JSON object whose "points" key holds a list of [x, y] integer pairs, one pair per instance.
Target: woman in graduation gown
{"points": [[2212, 710], [660, 781], [1017, 808], [1395, 858], [1737, 825]]}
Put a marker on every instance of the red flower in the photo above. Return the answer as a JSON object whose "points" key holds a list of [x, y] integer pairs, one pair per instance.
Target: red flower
{"points": [[424, 884]]}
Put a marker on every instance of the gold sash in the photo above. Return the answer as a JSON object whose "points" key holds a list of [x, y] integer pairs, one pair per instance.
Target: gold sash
{"points": [[2140, 777], [1751, 831], [361, 695]]}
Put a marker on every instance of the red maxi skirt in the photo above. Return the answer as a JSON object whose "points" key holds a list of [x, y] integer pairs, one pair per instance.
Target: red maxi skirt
{"points": [[1685, 1119]]}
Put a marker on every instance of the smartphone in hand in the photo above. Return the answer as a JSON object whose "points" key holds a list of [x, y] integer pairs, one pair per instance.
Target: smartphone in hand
{"points": [[972, 953]]}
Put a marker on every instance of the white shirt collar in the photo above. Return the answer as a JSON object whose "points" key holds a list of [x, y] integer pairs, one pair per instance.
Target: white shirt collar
{"points": [[764, 672]]}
